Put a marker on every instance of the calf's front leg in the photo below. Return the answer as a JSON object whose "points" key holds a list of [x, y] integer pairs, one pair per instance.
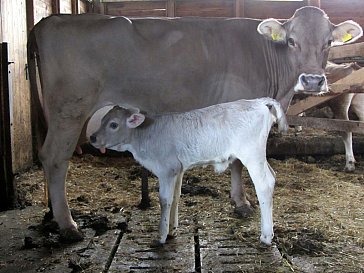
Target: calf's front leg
{"points": [[167, 186]]}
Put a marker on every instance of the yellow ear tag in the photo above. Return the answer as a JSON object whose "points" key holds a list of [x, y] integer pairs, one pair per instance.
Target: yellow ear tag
{"points": [[276, 37], [347, 37]]}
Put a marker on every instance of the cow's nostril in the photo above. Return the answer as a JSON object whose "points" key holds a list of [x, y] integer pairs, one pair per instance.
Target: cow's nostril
{"points": [[304, 80], [322, 81], [93, 138]]}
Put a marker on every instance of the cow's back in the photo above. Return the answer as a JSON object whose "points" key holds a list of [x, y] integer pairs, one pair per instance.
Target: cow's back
{"points": [[154, 64]]}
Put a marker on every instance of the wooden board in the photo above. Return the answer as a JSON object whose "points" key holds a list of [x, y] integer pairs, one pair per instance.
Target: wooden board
{"points": [[205, 8], [14, 31], [353, 83], [135, 254], [327, 124], [136, 8], [344, 51], [307, 103], [219, 248]]}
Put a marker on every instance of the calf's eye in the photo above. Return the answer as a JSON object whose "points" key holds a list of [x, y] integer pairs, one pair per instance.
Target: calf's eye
{"points": [[113, 125]]}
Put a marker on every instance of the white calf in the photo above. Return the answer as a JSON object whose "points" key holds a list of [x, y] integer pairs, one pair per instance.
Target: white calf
{"points": [[169, 144]]}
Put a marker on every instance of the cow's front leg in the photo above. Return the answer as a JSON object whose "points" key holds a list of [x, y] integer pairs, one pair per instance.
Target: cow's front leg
{"points": [[263, 178], [238, 194], [54, 155], [173, 225]]}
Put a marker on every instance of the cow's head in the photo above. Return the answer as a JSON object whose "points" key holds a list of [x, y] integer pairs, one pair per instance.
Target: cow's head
{"points": [[114, 131], [308, 36]]}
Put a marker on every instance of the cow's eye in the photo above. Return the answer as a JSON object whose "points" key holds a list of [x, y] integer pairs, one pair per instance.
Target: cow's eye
{"points": [[291, 42], [329, 42], [114, 125]]}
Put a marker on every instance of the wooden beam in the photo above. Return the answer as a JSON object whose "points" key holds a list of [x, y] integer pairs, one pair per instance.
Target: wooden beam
{"points": [[30, 14], [343, 51], [75, 6], [315, 3], [171, 8], [308, 103], [353, 83], [56, 6], [327, 124], [239, 8]]}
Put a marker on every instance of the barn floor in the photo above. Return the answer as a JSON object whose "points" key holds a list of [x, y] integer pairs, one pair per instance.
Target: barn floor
{"points": [[318, 222]]}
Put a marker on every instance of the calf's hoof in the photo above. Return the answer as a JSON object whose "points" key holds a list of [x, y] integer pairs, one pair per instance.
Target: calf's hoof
{"points": [[244, 211], [266, 239], [71, 235]]}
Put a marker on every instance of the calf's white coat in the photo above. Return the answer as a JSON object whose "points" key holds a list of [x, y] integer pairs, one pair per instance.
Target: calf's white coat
{"points": [[169, 144]]}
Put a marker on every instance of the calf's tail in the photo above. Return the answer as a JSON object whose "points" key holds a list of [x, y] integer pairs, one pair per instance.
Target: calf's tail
{"points": [[277, 111]]}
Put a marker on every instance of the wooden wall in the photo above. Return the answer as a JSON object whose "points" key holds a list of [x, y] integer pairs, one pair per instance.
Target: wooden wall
{"points": [[14, 32]]}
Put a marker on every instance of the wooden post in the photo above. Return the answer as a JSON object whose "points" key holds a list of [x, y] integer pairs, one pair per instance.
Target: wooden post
{"points": [[30, 14], [171, 5], [7, 187], [75, 6], [315, 3], [239, 8], [56, 6]]}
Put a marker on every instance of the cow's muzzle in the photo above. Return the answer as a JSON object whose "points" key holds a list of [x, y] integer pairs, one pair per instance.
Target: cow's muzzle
{"points": [[311, 83]]}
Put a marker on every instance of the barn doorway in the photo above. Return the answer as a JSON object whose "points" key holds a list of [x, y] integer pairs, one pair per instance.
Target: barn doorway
{"points": [[7, 188]]}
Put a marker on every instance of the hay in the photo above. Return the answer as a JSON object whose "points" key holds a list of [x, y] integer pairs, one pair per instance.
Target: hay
{"points": [[318, 211]]}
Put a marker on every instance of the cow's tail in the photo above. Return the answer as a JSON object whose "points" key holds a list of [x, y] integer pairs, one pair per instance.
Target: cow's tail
{"points": [[278, 112], [39, 124]]}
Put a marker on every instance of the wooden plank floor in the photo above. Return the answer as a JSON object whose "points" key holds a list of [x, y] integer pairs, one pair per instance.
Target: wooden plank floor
{"points": [[135, 254]]}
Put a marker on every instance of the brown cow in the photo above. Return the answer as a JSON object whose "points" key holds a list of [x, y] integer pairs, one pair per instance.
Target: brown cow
{"points": [[160, 65]]}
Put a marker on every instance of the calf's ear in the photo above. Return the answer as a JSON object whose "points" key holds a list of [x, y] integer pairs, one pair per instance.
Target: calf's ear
{"points": [[346, 32], [135, 120], [272, 30]]}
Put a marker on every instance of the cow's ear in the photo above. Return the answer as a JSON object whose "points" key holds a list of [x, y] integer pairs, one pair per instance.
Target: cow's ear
{"points": [[346, 32], [135, 120], [272, 30]]}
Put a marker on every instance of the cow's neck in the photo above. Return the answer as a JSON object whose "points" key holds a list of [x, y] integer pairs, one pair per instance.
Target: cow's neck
{"points": [[281, 73]]}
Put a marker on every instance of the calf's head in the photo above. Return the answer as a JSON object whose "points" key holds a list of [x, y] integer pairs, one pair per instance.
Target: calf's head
{"points": [[306, 39], [114, 131]]}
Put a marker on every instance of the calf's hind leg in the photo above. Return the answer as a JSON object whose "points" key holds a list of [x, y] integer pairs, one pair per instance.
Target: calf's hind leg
{"points": [[55, 153]]}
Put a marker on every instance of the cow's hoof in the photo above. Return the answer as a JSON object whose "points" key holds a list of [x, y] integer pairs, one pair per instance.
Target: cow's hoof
{"points": [[244, 211], [156, 244], [71, 235]]}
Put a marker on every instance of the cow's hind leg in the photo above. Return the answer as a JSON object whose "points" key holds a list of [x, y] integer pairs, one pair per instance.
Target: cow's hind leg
{"points": [[55, 153], [263, 178], [340, 108], [238, 194]]}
